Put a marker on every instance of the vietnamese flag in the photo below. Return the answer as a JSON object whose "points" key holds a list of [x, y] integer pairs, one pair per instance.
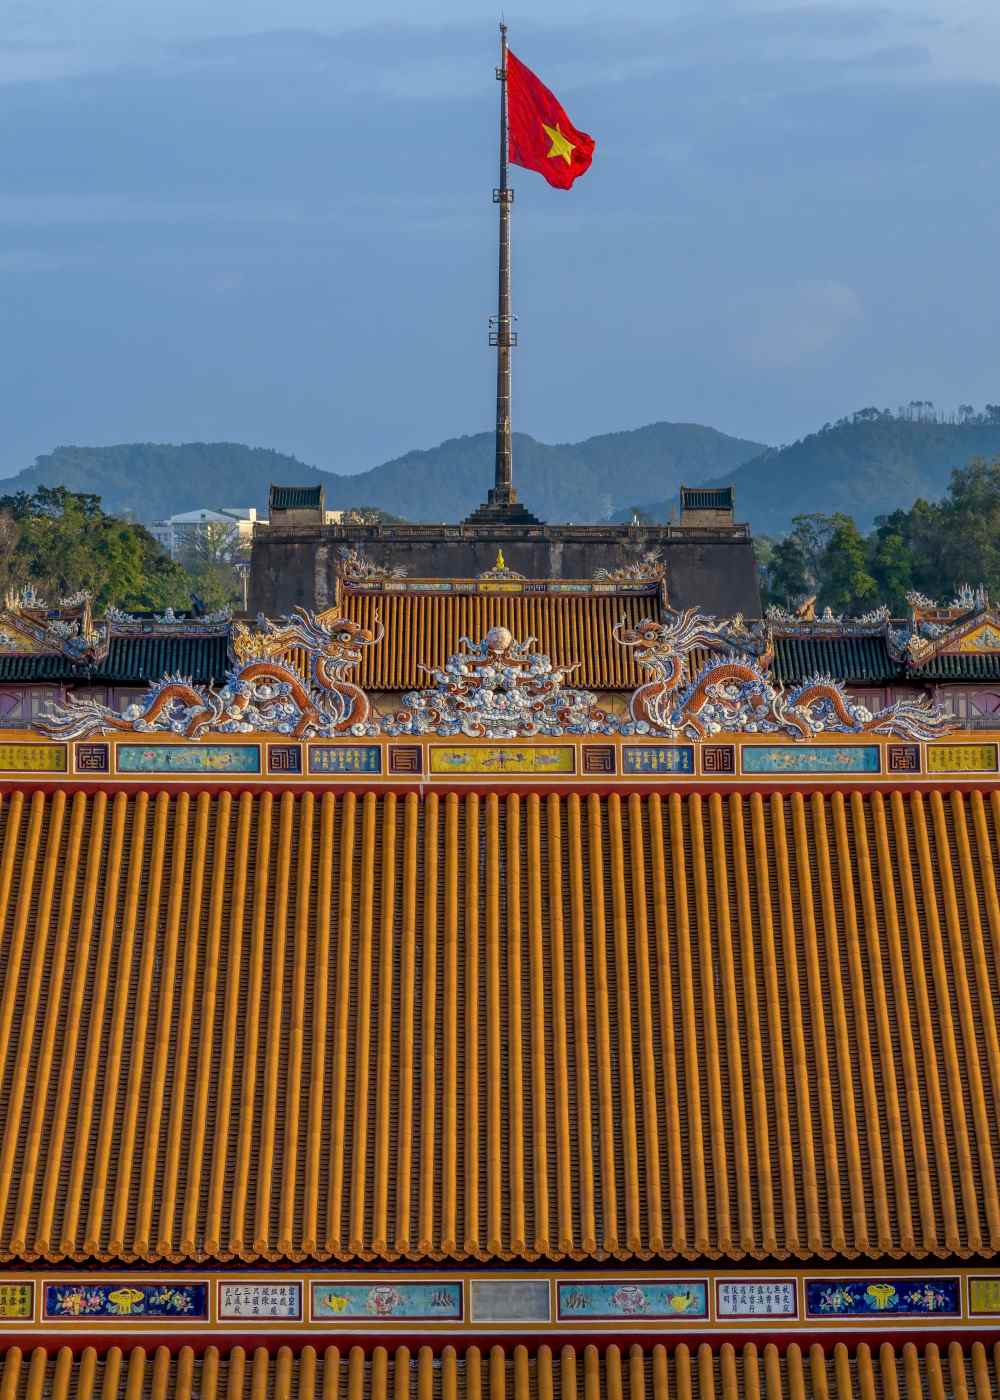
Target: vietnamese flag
{"points": [[540, 136]]}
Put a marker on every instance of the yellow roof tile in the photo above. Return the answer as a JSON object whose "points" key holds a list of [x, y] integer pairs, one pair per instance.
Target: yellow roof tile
{"points": [[315, 1027], [427, 628], [642, 1373]]}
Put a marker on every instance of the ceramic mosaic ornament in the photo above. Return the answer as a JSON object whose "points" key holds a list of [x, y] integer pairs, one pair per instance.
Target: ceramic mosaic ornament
{"points": [[638, 1299], [912, 1297], [262, 694], [347, 1302], [125, 1299], [732, 693], [500, 688]]}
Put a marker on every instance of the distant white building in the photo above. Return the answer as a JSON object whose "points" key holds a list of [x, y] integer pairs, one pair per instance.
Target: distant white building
{"points": [[177, 532]]}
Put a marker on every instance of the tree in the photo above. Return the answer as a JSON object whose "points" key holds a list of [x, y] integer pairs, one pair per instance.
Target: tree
{"points": [[794, 567], [210, 555], [788, 576], [63, 542], [213, 542], [970, 526], [813, 534], [892, 561], [845, 583], [12, 564]]}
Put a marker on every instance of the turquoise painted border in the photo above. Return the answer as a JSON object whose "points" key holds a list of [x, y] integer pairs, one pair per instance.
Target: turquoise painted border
{"points": [[779, 759], [207, 760]]}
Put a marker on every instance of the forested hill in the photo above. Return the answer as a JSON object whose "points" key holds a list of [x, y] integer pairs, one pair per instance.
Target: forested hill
{"points": [[865, 466], [580, 481]]}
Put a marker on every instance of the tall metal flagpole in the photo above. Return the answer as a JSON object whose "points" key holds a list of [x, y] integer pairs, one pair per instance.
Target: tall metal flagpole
{"points": [[502, 334], [502, 506]]}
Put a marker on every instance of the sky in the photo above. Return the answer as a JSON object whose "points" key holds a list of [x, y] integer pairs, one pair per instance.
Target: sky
{"points": [[273, 224]]}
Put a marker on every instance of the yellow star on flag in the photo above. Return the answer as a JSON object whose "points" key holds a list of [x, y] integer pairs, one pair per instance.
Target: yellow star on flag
{"points": [[560, 145]]}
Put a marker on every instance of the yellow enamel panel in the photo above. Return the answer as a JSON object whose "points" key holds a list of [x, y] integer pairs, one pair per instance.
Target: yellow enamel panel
{"points": [[16, 1301], [502, 759], [32, 758], [962, 758], [984, 1297]]}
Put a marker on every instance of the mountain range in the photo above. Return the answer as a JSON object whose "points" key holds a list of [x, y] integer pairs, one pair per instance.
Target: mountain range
{"points": [[867, 465], [864, 466], [579, 481]]}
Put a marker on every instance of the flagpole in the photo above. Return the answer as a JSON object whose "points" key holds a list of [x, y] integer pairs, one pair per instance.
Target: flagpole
{"points": [[502, 333], [502, 505]]}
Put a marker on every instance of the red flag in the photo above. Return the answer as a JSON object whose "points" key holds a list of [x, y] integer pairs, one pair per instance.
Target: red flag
{"points": [[540, 135]]}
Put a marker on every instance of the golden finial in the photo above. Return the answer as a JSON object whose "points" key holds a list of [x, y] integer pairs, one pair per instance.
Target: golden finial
{"points": [[501, 563]]}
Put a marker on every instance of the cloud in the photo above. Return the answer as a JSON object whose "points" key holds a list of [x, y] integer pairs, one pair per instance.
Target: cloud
{"points": [[787, 327]]}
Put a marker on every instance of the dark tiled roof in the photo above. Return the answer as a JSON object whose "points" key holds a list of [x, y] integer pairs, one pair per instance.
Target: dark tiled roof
{"points": [[130, 661], [963, 666], [865, 660], [706, 498], [28, 669], [296, 497], [143, 659], [853, 660]]}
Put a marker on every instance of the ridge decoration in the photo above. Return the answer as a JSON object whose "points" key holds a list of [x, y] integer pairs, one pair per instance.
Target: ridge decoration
{"points": [[500, 688], [263, 693], [500, 571], [732, 693], [354, 564], [651, 568]]}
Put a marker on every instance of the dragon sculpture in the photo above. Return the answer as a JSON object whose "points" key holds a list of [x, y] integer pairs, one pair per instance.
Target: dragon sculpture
{"points": [[732, 693], [499, 688], [263, 692]]}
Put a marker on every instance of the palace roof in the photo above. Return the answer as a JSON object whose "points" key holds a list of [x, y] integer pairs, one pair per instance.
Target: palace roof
{"points": [[67, 644], [424, 626], [241, 1025], [677, 1373], [957, 642], [420, 623]]}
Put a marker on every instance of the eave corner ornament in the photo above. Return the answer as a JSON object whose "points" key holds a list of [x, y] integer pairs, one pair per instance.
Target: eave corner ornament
{"points": [[499, 688], [263, 692], [732, 693]]}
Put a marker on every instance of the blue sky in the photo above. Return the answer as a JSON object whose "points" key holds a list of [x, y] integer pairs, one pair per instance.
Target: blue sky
{"points": [[267, 224]]}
